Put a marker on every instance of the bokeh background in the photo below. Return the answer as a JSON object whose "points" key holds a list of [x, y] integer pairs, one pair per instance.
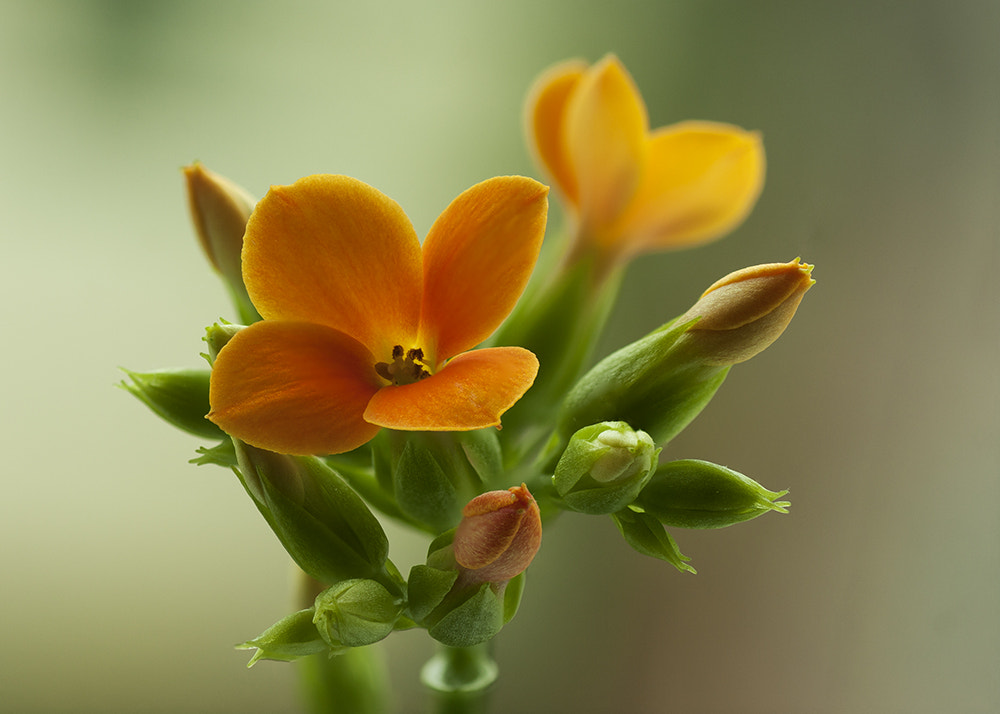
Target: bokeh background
{"points": [[126, 574]]}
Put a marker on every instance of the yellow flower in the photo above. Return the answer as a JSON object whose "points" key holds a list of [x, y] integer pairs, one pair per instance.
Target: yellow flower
{"points": [[365, 328], [630, 190]]}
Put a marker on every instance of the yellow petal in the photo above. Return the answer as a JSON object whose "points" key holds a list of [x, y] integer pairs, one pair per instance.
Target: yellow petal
{"points": [[546, 113], [478, 257], [470, 392], [606, 127], [335, 251], [294, 388], [701, 181]]}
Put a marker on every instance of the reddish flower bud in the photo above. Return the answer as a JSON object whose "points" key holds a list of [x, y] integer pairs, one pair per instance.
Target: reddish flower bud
{"points": [[499, 535]]}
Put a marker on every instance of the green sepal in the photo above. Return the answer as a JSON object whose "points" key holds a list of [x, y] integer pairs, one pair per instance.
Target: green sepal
{"points": [[476, 619], [689, 493], [654, 384], [427, 588], [646, 535], [423, 490], [481, 448], [326, 527], [287, 640], [512, 597], [355, 613], [178, 396], [222, 454]]}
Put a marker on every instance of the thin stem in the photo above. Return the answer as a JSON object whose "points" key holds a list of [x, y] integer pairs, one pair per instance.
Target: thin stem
{"points": [[350, 683], [459, 678]]}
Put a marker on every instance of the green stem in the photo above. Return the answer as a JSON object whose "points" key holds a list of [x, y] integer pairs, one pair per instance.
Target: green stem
{"points": [[460, 678], [350, 683]]}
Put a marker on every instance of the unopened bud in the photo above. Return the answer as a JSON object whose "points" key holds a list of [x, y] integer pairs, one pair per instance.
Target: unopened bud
{"points": [[287, 640], [178, 396], [604, 467], [697, 494], [744, 312], [220, 210], [217, 336], [499, 535], [356, 613]]}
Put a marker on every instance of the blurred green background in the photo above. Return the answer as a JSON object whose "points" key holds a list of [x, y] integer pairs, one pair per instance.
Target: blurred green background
{"points": [[127, 574]]}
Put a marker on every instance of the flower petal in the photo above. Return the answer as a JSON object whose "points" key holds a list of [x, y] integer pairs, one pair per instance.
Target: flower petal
{"points": [[546, 112], [294, 388], [478, 257], [333, 250], [701, 181], [606, 127], [471, 392]]}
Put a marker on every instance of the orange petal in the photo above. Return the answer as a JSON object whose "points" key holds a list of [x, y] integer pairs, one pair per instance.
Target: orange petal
{"points": [[546, 112], [606, 129], [701, 181], [471, 392], [478, 257], [294, 388], [335, 251]]}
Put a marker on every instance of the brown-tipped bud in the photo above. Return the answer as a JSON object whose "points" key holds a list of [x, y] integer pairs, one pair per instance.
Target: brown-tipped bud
{"points": [[746, 311], [220, 210], [499, 535]]}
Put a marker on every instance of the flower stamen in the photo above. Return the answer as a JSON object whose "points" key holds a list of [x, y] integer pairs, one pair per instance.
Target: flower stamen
{"points": [[406, 367]]}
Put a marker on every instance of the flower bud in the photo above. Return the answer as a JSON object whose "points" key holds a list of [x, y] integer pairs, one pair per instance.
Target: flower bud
{"points": [[697, 494], [322, 523], [744, 312], [178, 396], [604, 467], [216, 337], [220, 210], [356, 613], [499, 535], [287, 640], [661, 382]]}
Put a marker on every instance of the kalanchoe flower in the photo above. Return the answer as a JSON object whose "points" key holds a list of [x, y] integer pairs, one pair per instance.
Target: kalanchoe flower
{"points": [[631, 190], [499, 535], [363, 328], [220, 210], [744, 312]]}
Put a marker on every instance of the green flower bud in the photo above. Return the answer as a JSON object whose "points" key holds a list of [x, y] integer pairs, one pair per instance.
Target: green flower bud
{"points": [[604, 467], [220, 210], [322, 523], [216, 337], [178, 396], [356, 613], [698, 494], [288, 639], [744, 312]]}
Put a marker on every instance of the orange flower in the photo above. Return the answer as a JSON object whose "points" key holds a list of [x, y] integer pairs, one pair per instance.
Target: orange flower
{"points": [[630, 190], [363, 328]]}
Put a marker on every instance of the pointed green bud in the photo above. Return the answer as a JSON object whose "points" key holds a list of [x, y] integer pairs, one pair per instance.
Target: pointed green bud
{"points": [[178, 396], [662, 382], [220, 210], [356, 613], [744, 312], [287, 640], [697, 494], [604, 467], [322, 523]]}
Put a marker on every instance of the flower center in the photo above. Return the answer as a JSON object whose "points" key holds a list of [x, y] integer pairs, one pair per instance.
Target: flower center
{"points": [[406, 367]]}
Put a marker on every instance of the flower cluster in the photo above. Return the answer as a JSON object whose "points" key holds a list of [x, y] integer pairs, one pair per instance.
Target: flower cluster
{"points": [[368, 371]]}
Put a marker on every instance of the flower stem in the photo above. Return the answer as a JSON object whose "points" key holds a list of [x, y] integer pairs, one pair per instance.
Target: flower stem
{"points": [[350, 683], [459, 678]]}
